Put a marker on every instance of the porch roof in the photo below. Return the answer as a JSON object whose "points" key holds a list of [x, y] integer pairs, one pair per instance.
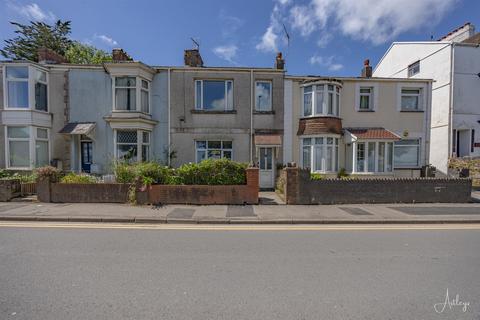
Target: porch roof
{"points": [[268, 140], [371, 134], [84, 128]]}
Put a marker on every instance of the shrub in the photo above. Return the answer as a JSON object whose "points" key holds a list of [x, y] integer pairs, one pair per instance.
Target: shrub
{"points": [[124, 173], [48, 172], [152, 173], [316, 176], [212, 172], [342, 174], [4, 174], [77, 178]]}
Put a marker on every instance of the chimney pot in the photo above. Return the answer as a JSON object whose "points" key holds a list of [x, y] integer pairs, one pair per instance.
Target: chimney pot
{"points": [[279, 61], [192, 58], [367, 69], [48, 56], [119, 55]]}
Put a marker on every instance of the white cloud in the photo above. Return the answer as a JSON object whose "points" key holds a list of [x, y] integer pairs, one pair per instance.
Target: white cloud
{"points": [[106, 40], [324, 40], [230, 24], [269, 40], [228, 52], [303, 19], [327, 62], [33, 12]]}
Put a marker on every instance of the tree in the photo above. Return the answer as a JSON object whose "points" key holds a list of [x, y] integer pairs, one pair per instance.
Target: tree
{"points": [[85, 54], [37, 35]]}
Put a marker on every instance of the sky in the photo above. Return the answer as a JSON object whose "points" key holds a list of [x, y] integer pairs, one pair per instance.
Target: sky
{"points": [[326, 37]]}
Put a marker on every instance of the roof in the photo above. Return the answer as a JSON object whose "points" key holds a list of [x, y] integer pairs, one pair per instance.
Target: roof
{"points": [[475, 39], [373, 133], [454, 30], [268, 139], [311, 78], [78, 128]]}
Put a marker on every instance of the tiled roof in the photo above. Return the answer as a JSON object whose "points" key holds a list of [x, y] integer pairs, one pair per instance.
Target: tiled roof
{"points": [[268, 140], [373, 134], [78, 128]]}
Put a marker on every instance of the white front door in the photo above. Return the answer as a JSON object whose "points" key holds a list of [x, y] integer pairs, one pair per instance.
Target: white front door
{"points": [[267, 173]]}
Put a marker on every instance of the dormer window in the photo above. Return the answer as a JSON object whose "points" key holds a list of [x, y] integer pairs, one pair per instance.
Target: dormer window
{"points": [[321, 100], [22, 80], [132, 94]]}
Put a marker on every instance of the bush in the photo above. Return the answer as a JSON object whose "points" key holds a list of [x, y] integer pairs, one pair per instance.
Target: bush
{"points": [[212, 172], [147, 172], [4, 174], [124, 173], [77, 178], [48, 172], [316, 176]]}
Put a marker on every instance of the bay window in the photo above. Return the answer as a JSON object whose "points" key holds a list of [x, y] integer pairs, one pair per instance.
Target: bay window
{"points": [[374, 157], [19, 82], [214, 95], [320, 154], [27, 147], [128, 144], [213, 149], [132, 94], [407, 153], [321, 100]]}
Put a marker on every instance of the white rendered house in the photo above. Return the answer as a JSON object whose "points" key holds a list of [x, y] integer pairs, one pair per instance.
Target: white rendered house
{"points": [[453, 62]]}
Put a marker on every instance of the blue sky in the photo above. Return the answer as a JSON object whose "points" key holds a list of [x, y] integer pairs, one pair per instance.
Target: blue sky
{"points": [[327, 37]]}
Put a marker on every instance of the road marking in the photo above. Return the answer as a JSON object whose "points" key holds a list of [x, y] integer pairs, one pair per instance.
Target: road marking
{"points": [[330, 227]]}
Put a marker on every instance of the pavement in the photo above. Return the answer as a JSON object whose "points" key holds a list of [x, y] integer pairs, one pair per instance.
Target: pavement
{"points": [[53, 272], [269, 213]]}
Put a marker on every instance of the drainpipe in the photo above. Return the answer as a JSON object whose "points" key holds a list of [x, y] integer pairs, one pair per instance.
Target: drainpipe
{"points": [[450, 109], [168, 123], [251, 116]]}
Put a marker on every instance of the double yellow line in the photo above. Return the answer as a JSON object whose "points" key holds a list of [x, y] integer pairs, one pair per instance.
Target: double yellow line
{"points": [[323, 227]]}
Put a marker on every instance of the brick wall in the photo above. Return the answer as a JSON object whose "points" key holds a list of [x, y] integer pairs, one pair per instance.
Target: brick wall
{"points": [[300, 189], [203, 194], [82, 193], [9, 189]]}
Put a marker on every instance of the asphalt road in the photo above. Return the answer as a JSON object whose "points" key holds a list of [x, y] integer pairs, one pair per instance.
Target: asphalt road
{"points": [[63, 273]]}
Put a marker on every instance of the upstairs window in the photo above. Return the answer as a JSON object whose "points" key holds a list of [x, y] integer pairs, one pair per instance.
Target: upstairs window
{"points": [[132, 94], [411, 99], [19, 82], [366, 99], [214, 95], [321, 100], [263, 95], [413, 69]]}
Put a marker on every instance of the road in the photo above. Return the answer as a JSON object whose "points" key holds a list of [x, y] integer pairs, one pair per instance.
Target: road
{"points": [[55, 271]]}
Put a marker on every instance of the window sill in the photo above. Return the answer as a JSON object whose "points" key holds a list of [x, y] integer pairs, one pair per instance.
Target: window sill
{"points": [[369, 110], [194, 111], [263, 112], [407, 168], [320, 116], [412, 111]]}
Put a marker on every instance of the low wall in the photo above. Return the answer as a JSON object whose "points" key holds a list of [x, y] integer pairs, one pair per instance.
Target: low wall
{"points": [[82, 193], [9, 189], [298, 188], [203, 194]]}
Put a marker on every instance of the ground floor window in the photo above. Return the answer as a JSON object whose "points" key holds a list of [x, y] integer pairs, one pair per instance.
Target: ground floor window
{"points": [[213, 149], [128, 144], [27, 147], [374, 156], [320, 154], [407, 153]]}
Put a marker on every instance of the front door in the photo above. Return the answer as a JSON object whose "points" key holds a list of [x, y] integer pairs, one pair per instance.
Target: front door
{"points": [[86, 156], [267, 174]]}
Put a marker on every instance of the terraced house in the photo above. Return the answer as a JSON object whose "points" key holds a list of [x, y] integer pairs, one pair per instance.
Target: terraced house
{"points": [[364, 126]]}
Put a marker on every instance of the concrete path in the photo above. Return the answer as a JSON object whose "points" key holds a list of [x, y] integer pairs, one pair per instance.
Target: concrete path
{"points": [[389, 213]]}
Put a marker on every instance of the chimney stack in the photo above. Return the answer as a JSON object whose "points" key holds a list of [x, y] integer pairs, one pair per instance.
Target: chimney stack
{"points": [[192, 58], [48, 56], [279, 62], [118, 55], [367, 69]]}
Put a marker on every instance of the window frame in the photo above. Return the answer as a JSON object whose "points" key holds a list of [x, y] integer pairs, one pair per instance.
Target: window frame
{"points": [[419, 153], [138, 93], [413, 69], [332, 95], [139, 143], [373, 101], [422, 97], [32, 139], [270, 106], [206, 149], [324, 146], [419, 96], [30, 86], [386, 156], [201, 107]]}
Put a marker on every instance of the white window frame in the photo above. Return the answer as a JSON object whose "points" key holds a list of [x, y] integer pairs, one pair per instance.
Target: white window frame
{"points": [[138, 93], [206, 149], [140, 143], [376, 157], [422, 101], [31, 86], [324, 88], [413, 69], [373, 96], [419, 153], [147, 144], [37, 138], [201, 106], [270, 83], [335, 158], [32, 130]]}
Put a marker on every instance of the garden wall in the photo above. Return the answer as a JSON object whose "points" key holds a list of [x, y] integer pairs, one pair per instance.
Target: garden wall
{"points": [[298, 188], [203, 194], [9, 189]]}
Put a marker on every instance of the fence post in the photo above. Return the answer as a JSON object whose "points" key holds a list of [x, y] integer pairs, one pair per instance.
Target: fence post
{"points": [[253, 184], [291, 185], [44, 189]]}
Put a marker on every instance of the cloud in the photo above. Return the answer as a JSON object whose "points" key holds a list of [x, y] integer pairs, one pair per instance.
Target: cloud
{"points": [[230, 24], [33, 12], [324, 40], [269, 40], [106, 40], [227, 52], [303, 19], [327, 62]]}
